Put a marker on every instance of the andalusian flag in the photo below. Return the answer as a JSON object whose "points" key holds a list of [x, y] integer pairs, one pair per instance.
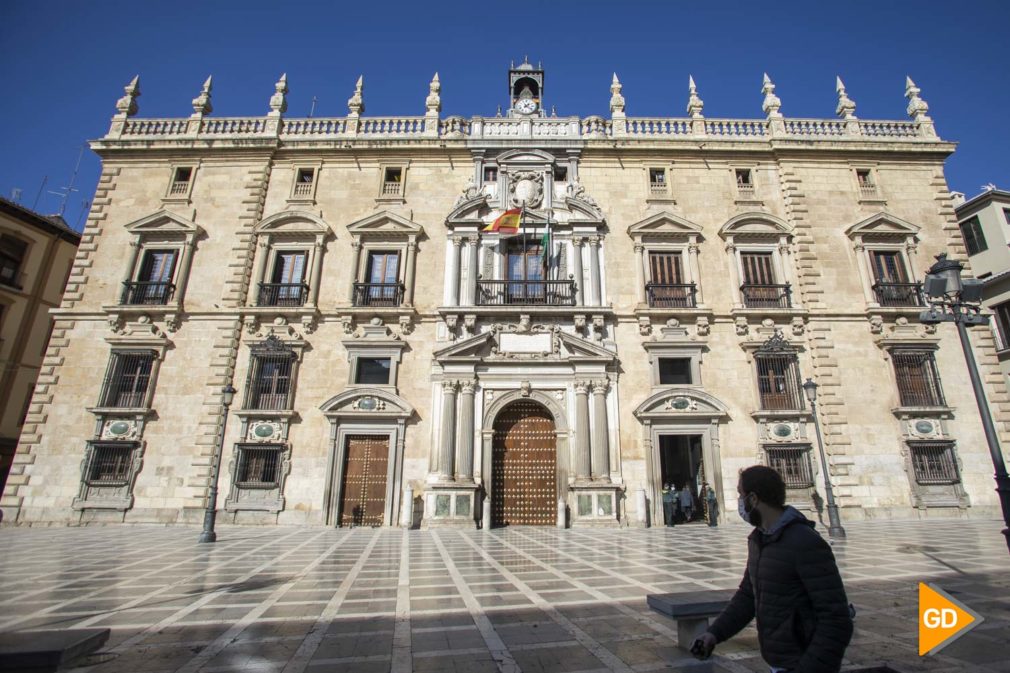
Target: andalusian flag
{"points": [[507, 221], [545, 245]]}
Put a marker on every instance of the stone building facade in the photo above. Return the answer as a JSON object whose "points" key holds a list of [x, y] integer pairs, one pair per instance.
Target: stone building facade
{"points": [[399, 363]]}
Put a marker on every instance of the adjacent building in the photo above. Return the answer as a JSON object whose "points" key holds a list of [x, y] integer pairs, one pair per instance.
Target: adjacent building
{"points": [[402, 357], [36, 253]]}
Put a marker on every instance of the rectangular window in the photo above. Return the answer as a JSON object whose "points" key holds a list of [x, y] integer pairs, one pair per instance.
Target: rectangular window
{"points": [[657, 181], [110, 464], [743, 177], [286, 286], [934, 462], [667, 287], [888, 267], [561, 174], [1002, 323], [760, 289], [918, 379], [154, 279], [891, 286], [675, 371], [490, 174], [269, 381], [127, 379], [974, 238], [758, 268], [1006, 215], [865, 178], [12, 255], [525, 261], [779, 382], [374, 371], [392, 182], [304, 177], [665, 268], [258, 466], [793, 463], [180, 181], [382, 281]]}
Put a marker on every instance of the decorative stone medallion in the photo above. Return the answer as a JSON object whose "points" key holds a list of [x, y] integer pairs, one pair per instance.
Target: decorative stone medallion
{"points": [[264, 431], [368, 403], [682, 404], [782, 431], [526, 188], [119, 429]]}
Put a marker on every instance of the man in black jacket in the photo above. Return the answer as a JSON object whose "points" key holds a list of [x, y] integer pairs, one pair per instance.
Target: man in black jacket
{"points": [[791, 585]]}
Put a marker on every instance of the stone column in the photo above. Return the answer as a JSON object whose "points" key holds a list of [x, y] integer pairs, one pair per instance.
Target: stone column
{"points": [[454, 272], [580, 290], [355, 264], [865, 276], [594, 271], [131, 268], [182, 276], [261, 266], [734, 274], [640, 273], [695, 270], [408, 275], [317, 271], [464, 443], [447, 438], [472, 247], [601, 432], [786, 266], [582, 455]]}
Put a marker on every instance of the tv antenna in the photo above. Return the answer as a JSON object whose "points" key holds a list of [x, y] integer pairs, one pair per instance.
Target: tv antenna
{"points": [[69, 189]]}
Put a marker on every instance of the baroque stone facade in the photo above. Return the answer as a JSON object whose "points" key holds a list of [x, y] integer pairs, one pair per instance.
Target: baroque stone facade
{"points": [[400, 360]]}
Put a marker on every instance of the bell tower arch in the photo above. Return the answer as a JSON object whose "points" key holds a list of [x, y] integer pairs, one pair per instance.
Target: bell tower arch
{"points": [[526, 89]]}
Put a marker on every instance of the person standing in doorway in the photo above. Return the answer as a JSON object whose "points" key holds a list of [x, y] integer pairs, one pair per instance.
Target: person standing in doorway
{"points": [[669, 505], [713, 506], [791, 585], [687, 503]]}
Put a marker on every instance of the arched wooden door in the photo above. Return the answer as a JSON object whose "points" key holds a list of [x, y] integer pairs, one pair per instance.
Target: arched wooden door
{"points": [[524, 467]]}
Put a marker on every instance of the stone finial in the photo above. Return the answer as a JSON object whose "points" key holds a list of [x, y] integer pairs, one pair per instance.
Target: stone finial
{"points": [[771, 102], [433, 103], [201, 104], [279, 101], [616, 99], [356, 103], [694, 103], [127, 105], [917, 108], [846, 106]]}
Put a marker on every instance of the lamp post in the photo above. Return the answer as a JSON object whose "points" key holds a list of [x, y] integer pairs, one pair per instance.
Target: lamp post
{"points": [[957, 300], [835, 529], [210, 515]]}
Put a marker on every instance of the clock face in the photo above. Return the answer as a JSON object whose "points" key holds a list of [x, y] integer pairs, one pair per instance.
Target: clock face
{"points": [[526, 105]]}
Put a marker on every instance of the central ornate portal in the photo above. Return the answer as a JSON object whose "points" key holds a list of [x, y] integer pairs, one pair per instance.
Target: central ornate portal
{"points": [[524, 467]]}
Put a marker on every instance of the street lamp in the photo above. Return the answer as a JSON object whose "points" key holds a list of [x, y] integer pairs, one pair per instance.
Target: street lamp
{"points": [[210, 515], [835, 529], [957, 300]]}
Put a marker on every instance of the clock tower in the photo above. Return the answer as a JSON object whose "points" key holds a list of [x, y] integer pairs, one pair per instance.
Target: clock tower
{"points": [[526, 88]]}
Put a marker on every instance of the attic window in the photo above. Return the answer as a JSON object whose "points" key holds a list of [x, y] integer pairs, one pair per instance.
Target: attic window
{"points": [[490, 174], [560, 174], [657, 176], [392, 181], [304, 178], [864, 177], [180, 181], [743, 177]]}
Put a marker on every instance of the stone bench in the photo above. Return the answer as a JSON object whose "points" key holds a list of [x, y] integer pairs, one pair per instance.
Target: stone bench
{"points": [[47, 651], [691, 610]]}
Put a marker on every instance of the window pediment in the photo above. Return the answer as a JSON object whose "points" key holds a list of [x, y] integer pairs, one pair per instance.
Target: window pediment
{"points": [[164, 222], [367, 402], [683, 402], [883, 226], [386, 225], [756, 226], [665, 226], [293, 222]]}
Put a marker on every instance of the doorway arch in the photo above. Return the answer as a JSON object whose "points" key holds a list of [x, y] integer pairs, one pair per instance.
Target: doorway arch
{"points": [[524, 466]]}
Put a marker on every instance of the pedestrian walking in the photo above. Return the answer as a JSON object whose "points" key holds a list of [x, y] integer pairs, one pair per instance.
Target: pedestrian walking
{"points": [[687, 503], [713, 507], [669, 505], [803, 618]]}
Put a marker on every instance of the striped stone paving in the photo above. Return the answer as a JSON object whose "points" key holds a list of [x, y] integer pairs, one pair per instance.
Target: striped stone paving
{"points": [[519, 599]]}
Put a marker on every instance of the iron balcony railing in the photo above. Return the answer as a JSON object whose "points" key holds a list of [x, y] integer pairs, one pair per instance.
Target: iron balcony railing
{"points": [[526, 292], [146, 293], [898, 294], [378, 294], [282, 294], [766, 296], [934, 463], [672, 295], [793, 463]]}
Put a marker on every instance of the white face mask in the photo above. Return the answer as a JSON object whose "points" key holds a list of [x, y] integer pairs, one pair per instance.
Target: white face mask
{"points": [[741, 508]]}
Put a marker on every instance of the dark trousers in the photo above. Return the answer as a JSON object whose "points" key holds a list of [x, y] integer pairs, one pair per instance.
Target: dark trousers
{"points": [[669, 511]]}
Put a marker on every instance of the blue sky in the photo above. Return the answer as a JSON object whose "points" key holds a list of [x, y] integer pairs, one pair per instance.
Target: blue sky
{"points": [[64, 64]]}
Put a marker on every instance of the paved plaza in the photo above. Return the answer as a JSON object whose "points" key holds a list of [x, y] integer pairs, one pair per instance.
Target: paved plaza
{"points": [[521, 599]]}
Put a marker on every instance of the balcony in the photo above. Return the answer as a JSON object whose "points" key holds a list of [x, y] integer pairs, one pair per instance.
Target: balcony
{"points": [[766, 296], [302, 190], [671, 295], [898, 294], [526, 292], [282, 294], [145, 293], [378, 294]]}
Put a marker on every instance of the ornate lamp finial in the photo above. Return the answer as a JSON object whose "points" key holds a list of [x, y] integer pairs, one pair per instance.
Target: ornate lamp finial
{"points": [[917, 108], [616, 99], [127, 105], [694, 103], [771, 102], [846, 106], [201, 104], [433, 103], [356, 103], [279, 101]]}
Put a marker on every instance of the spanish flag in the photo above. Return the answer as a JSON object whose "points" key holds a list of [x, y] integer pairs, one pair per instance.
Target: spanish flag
{"points": [[507, 221]]}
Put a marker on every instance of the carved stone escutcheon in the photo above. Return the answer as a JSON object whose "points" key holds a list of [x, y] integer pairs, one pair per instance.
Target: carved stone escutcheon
{"points": [[742, 328], [644, 325]]}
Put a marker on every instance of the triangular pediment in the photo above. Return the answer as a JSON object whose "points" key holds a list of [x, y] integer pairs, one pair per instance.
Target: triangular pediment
{"points": [[682, 402], [578, 347], [163, 221], [664, 224], [755, 224], [476, 346], [293, 222], [385, 224], [468, 210], [367, 402], [883, 225]]}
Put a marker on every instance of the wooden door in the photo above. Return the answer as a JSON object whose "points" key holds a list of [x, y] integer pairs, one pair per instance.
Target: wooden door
{"points": [[363, 492], [524, 467]]}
